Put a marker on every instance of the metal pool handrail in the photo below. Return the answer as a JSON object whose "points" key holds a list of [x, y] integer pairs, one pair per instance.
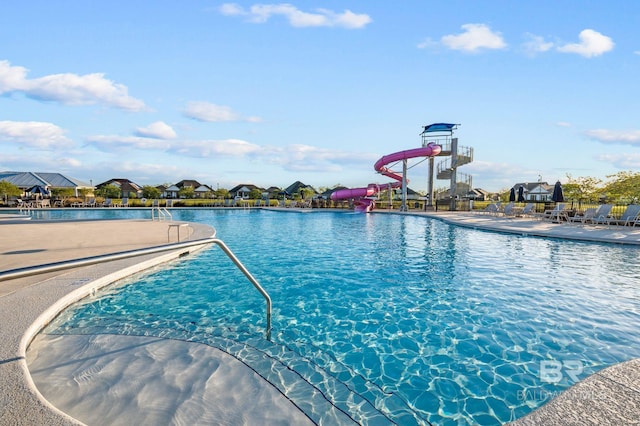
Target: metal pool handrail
{"points": [[92, 260], [250, 277], [163, 213]]}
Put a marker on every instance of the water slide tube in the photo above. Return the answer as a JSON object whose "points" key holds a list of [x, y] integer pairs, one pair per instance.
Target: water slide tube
{"points": [[363, 204]]}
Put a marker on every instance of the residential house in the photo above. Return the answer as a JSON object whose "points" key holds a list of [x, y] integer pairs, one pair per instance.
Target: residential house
{"points": [[203, 191], [187, 183], [535, 191], [171, 192], [478, 194], [297, 187], [127, 188], [243, 190]]}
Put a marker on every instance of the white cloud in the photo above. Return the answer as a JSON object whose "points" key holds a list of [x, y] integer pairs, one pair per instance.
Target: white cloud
{"points": [[212, 113], [214, 148], [34, 134], [474, 38], [261, 13], [630, 137], [119, 143], [592, 43], [158, 130], [563, 124], [427, 43], [536, 44], [69, 89], [621, 161]]}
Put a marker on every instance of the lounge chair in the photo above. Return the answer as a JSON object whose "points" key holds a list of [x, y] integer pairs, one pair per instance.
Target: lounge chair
{"points": [[555, 214], [91, 202], [587, 215], [630, 216], [169, 203], [602, 216], [528, 210], [125, 202], [107, 202], [509, 210], [491, 209]]}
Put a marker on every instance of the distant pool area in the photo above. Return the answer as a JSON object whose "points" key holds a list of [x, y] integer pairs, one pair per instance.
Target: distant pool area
{"points": [[421, 319]]}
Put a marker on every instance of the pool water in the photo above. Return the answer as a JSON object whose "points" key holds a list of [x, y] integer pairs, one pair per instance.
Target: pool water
{"points": [[416, 320]]}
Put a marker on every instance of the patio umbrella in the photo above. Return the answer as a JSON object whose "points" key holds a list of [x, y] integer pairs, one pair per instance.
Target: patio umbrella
{"points": [[521, 194], [558, 196], [512, 195], [38, 190]]}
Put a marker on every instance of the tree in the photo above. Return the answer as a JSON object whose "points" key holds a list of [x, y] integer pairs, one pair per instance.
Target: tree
{"points": [[221, 193], [186, 192], [150, 192], [62, 193], [583, 188], [624, 187], [84, 192], [7, 189], [108, 191], [255, 194], [307, 193]]}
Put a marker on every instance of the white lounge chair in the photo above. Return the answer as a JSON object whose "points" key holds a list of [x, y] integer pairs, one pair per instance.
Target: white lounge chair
{"points": [[630, 216], [528, 210], [555, 214], [509, 210], [587, 215], [491, 209], [603, 214]]}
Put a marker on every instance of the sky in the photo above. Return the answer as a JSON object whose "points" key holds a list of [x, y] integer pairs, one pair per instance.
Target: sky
{"points": [[272, 93]]}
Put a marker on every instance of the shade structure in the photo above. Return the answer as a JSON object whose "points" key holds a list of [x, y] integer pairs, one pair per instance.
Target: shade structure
{"points": [[557, 196], [521, 194], [512, 195]]}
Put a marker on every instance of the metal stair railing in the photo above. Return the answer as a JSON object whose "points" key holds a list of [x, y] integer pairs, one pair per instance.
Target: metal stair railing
{"points": [[160, 213], [92, 260]]}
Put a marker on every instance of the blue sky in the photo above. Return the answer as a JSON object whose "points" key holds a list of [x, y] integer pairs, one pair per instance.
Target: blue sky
{"points": [[271, 93]]}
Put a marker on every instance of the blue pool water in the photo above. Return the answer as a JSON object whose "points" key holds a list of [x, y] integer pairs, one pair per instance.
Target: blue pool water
{"points": [[417, 320]]}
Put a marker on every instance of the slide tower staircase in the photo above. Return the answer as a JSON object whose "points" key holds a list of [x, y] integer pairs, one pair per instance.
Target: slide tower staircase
{"points": [[447, 169]]}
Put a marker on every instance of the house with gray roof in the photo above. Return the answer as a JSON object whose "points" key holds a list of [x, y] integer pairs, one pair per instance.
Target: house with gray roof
{"points": [[243, 190], [535, 191], [128, 189]]}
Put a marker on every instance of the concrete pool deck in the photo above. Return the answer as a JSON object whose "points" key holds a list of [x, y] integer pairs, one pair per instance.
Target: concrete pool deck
{"points": [[611, 396]]}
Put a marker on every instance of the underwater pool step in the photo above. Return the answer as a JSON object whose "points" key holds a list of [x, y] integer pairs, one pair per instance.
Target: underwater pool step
{"points": [[323, 398], [348, 390]]}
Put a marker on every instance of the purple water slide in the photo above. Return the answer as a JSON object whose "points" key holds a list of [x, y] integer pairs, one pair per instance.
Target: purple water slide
{"points": [[431, 150]]}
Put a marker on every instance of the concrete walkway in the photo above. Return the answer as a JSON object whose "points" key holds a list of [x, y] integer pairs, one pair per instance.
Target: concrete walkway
{"points": [[610, 397], [29, 303]]}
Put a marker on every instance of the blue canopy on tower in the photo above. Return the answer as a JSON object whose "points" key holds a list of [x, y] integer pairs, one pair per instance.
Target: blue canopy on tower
{"points": [[439, 127]]}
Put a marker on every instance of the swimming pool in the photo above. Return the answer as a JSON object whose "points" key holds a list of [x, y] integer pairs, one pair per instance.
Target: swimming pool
{"points": [[419, 320]]}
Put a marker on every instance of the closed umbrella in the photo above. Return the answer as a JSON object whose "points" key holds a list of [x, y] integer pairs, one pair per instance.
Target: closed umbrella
{"points": [[512, 195], [558, 196], [521, 194]]}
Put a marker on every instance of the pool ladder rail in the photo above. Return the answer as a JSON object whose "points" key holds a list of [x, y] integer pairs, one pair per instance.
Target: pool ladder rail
{"points": [[92, 260], [160, 213]]}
